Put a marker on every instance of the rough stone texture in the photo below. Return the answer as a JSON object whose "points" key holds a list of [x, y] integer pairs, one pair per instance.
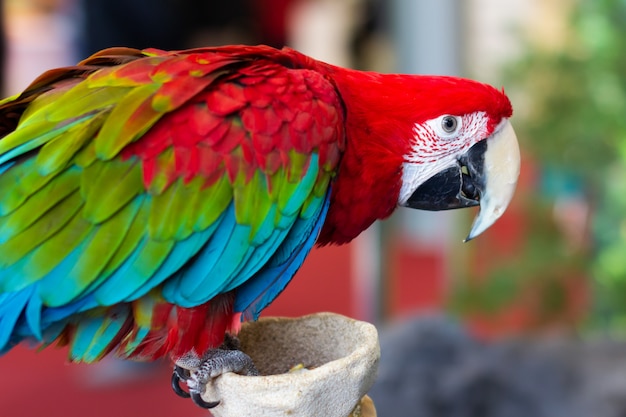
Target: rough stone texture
{"points": [[430, 367], [341, 356]]}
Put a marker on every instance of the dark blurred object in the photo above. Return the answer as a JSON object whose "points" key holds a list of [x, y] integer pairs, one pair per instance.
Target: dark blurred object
{"points": [[430, 367], [179, 24]]}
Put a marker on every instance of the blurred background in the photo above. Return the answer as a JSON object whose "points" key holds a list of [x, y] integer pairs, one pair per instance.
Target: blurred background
{"points": [[527, 320]]}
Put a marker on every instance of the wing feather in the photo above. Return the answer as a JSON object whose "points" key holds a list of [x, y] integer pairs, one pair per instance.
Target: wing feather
{"points": [[88, 259], [38, 206], [158, 177], [18, 254]]}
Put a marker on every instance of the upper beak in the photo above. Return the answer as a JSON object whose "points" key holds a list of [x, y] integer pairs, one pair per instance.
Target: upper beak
{"points": [[485, 175]]}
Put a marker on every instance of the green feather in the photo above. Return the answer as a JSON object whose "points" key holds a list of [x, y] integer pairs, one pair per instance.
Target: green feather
{"points": [[10, 99], [266, 226], [132, 239], [252, 202], [174, 213], [38, 204], [80, 100], [132, 116], [321, 185], [43, 245], [196, 200], [311, 206], [86, 156], [102, 243], [28, 137], [312, 203], [152, 256], [53, 250], [59, 151], [18, 183], [44, 99], [122, 181], [184, 208], [46, 226], [167, 211], [297, 187], [212, 202]]}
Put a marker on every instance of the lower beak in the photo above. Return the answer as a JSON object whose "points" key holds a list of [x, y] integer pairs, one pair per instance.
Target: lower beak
{"points": [[485, 175]]}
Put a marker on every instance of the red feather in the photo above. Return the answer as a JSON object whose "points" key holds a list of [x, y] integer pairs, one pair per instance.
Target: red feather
{"points": [[240, 110], [221, 104]]}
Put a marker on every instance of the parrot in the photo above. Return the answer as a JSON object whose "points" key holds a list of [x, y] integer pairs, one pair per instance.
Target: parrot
{"points": [[152, 201]]}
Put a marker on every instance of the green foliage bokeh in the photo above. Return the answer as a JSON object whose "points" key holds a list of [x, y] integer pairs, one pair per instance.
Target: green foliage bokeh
{"points": [[574, 120]]}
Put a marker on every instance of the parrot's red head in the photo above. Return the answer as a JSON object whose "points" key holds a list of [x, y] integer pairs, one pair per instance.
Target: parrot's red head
{"points": [[426, 142]]}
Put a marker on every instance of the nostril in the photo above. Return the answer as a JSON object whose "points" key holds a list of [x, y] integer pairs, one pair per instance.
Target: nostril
{"points": [[468, 188]]}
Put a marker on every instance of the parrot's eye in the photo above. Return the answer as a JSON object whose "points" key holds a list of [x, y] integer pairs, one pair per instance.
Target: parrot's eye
{"points": [[449, 124]]}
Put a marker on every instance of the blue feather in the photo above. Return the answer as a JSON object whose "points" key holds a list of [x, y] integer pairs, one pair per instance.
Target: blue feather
{"points": [[11, 306], [12, 277], [94, 334], [207, 276], [138, 337], [54, 289], [236, 253], [190, 286], [261, 255], [305, 185], [182, 252], [256, 258], [6, 166], [85, 274], [127, 277], [33, 316], [84, 335], [266, 229], [38, 320], [257, 293], [54, 315], [109, 330]]}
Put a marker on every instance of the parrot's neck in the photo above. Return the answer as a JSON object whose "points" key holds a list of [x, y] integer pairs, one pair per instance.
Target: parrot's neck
{"points": [[377, 138]]}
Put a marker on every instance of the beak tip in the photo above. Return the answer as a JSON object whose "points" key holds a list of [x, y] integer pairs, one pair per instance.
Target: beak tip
{"points": [[474, 232], [502, 160]]}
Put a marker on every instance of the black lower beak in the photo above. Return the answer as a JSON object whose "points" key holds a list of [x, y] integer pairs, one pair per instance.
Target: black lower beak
{"points": [[485, 175], [456, 187]]}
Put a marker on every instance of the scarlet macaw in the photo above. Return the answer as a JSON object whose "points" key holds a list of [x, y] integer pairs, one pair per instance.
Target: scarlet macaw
{"points": [[151, 200]]}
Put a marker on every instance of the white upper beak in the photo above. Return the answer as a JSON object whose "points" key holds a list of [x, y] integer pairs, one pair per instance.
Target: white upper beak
{"points": [[501, 171]]}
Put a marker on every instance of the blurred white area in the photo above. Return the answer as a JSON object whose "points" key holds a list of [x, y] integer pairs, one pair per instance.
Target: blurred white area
{"points": [[39, 37], [323, 28], [494, 30]]}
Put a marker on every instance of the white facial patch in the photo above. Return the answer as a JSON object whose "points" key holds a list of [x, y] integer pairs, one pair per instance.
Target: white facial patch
{"points": [[435, 149]]}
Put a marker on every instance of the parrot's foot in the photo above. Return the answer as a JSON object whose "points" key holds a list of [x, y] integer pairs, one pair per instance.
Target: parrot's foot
{"points": [[197, 372]]}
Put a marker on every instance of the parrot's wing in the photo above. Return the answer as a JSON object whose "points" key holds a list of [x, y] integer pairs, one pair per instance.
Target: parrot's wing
{"points": [[187, 174]]}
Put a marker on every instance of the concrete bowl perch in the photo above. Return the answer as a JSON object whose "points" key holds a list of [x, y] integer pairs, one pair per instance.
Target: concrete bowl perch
{"points": [[339, 356]]}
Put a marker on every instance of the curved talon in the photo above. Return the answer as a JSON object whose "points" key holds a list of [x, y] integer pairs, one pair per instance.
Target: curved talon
{"points": [[197, 399], [177, 375]]}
